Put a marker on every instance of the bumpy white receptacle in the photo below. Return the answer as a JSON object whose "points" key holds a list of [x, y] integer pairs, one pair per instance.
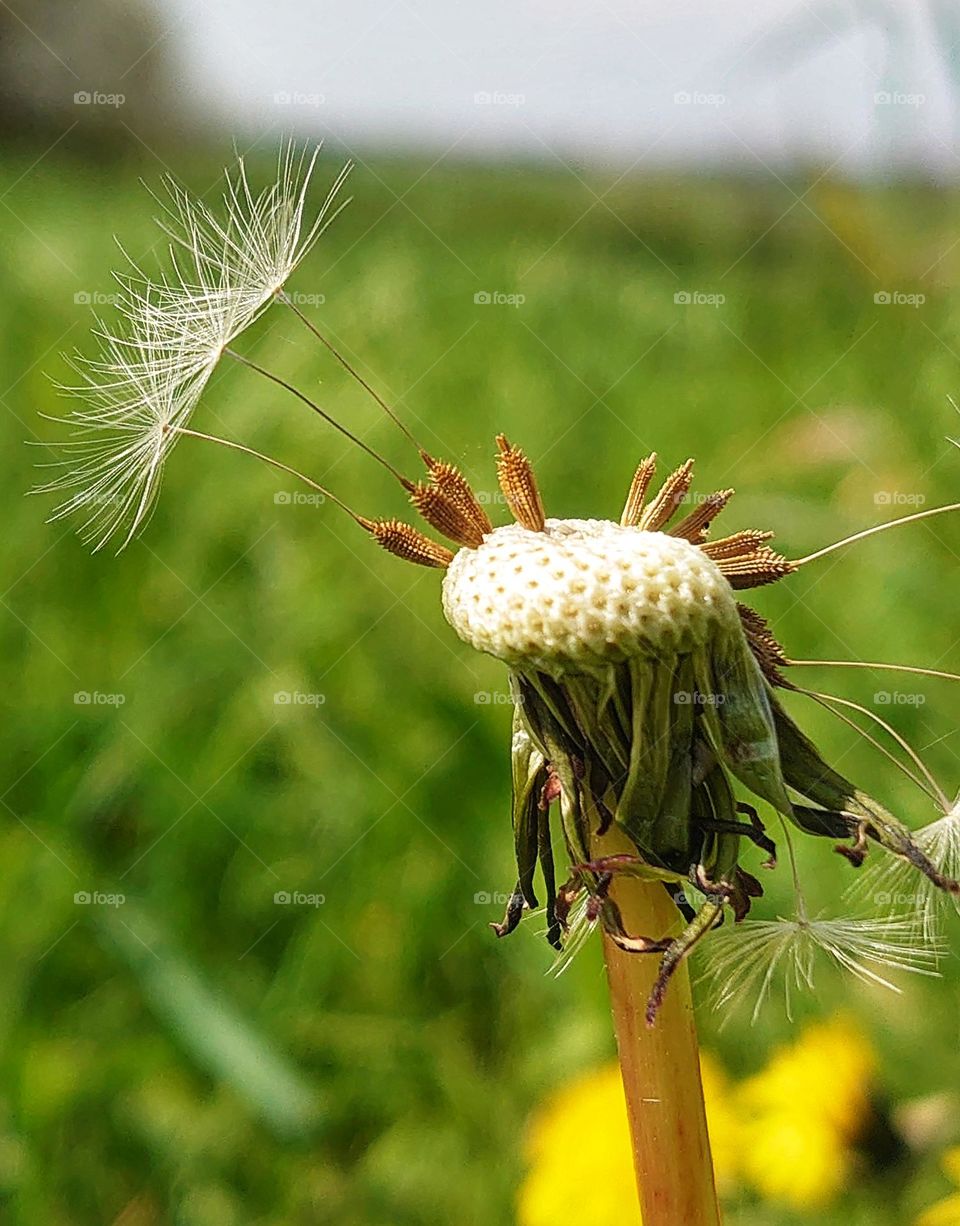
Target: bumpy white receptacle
{"points": [[584, 593]]}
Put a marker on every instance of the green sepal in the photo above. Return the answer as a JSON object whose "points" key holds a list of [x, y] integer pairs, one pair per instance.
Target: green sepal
{"points": [[537, 710], [529, 778], [739, 716], [545, 854], [641, 796]]}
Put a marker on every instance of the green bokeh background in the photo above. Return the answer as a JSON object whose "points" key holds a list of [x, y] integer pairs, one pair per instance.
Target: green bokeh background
{"points": [[204, 1055]]}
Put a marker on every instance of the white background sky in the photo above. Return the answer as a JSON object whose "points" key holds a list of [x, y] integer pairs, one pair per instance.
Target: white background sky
{"points": [[767, 80]]}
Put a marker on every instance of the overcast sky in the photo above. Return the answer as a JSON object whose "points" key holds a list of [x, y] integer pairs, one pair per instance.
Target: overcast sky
{"points": [[859, 83]]}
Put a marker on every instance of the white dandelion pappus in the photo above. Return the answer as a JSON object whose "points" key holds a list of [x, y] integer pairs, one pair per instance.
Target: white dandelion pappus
{"points": [[891, 883], [580, 927], [151, 369], [114, 462], [228, 271], [744, 960]]}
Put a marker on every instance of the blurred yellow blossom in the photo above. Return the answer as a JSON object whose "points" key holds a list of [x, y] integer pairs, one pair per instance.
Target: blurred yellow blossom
{"points": [[579, 1142], [945, 1212], [802, 1114], [788, 1132]]}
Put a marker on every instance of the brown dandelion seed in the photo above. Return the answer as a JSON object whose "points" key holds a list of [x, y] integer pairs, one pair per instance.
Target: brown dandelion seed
{"points": [[406, 542], [442, 513], [633, 507], [755, 569], [519, 486], [694, 526], [448, 478], [766, 649], [672, 493], [739, 545]]}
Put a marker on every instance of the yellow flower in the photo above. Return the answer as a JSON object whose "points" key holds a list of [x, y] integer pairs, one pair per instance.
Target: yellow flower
{"points": [[802, 1114], [795, 1159], [826, 1075], [579, 1139], [945, 1212]]}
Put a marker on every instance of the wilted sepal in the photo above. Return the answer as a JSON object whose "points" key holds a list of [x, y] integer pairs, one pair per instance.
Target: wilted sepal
{"points": [[713, 811], [842, 805], [551, 724], [530, 778]]}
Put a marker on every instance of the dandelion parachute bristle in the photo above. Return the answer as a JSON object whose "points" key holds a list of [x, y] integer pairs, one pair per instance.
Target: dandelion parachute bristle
{"points": [[744, 961], [867, 532], [890, 883], [875, 665], [931, 787]]}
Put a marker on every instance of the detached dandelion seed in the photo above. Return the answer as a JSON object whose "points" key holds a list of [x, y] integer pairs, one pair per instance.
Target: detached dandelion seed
{"points": [[143, 385], [744, 964]]}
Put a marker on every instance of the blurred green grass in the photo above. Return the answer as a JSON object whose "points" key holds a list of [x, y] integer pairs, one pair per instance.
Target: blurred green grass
{"points": [[204, 1055]]}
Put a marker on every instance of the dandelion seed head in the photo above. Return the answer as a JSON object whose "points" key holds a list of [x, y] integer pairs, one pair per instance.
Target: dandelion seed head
{"points": [[581, 593]]}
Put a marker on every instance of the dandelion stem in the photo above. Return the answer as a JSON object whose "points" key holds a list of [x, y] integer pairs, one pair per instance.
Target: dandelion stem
{"points": [[859, 536], [262, 370], [871, 664], [660, 1066], [351, 370], [259, 455]]}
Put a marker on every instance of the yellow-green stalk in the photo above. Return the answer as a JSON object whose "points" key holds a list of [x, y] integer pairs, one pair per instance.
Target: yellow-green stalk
{"points": [[660, 1067]]}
